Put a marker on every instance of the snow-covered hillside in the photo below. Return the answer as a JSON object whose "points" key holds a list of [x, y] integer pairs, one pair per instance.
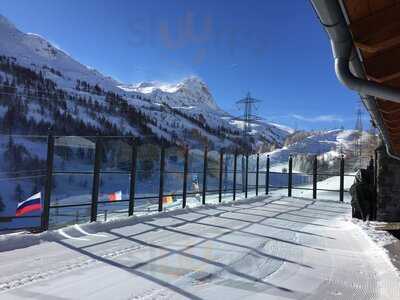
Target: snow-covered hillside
{"points": [[326, 142], [327, 145], [34, 52], [180, 112]]}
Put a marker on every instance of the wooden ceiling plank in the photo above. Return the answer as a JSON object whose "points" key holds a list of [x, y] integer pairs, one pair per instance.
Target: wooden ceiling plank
{"points": [[393, 124], [377, 5], [380, 40], [393, 131], [387, 105], [389, 117], [357, 9], [378, 31]]}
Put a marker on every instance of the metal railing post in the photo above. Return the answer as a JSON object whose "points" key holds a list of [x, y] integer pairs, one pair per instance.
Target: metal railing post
{"points": [[341, 192], [315, 170], [257, 172], [185, 173], [49, 183], [234, 175], [132, 181], [375, 183], [96, 179], [205, 163], [247, 177], [161, 188], [221, 165], [290, 174], [267, 176], [243, 171], [376, 169]]}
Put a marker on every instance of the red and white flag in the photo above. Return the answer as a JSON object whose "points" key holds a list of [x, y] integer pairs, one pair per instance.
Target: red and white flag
{"points": [[33, 203], [116, 196]]}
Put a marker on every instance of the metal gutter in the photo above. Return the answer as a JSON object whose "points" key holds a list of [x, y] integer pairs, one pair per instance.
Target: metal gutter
{"points": [[348, 66], [332, 18]]}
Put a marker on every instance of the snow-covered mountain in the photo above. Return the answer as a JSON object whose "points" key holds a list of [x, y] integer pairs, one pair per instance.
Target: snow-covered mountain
{"points": [[184, 112], [189, 93], [36, 53], [326, 145]]}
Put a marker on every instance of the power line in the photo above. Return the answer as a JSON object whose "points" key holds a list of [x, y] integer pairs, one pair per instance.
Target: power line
{"points": [[248, 117]]}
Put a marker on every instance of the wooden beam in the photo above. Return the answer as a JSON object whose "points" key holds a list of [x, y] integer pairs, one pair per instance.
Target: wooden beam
{"points": [[384, 66], [392, 124], [392, 131], [378, 31], [391, 117], [388, 106]]}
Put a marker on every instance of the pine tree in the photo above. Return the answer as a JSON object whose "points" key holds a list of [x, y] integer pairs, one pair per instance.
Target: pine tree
{"points": [[2, 206], [18, 193]]}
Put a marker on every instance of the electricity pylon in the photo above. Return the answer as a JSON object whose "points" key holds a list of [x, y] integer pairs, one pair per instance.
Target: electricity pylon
{"points": [[248, 118], [359, 131]]}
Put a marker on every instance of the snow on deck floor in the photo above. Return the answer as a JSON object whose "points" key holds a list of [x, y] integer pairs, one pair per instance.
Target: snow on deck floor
{"points": [[265, 248]]}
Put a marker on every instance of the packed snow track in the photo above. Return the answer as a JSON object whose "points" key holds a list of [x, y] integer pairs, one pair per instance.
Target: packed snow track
{"points": [[264, 248]]}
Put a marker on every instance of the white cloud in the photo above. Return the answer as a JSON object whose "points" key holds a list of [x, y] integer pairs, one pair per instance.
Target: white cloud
{"points": [[320, 118]]}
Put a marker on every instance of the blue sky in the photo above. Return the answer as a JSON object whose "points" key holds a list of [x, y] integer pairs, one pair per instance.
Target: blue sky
{"points": [[277, 50]]}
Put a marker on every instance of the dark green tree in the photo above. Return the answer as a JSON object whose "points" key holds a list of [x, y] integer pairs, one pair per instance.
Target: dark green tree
{"points": [[18, 193], [2, 206]]}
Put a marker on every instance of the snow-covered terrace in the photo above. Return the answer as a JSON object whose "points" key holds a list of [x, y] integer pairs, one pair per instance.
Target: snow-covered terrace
{"points": [[261, 248]]}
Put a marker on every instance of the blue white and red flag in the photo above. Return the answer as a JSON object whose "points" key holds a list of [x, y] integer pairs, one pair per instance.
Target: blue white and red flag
{"points": [[33, 203]]}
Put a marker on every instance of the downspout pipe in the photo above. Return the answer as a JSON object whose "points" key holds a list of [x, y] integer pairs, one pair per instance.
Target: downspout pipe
{"points": [[332, 18], [362, 86]]}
